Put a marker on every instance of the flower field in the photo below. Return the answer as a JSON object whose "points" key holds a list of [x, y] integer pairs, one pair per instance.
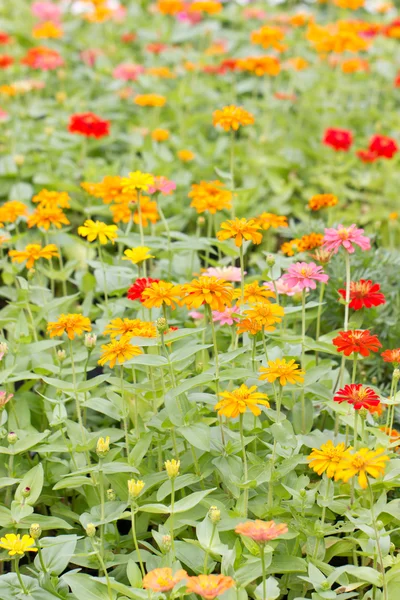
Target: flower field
{"points": [[199, 300]]}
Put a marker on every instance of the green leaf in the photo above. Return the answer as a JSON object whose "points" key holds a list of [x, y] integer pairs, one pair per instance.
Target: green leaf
{"points": [[190, 501], [33, 480], [85, 587], [133, 573], [58, 554]]}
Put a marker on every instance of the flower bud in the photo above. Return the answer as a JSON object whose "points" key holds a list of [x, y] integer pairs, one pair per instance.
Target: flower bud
{"points": [[396, 374], [4, 398], [19, 159], [374, 380], [134, 488], [270, 260], [103, 446], [199, 367], [90, 340], [166, 543], [214, 514], [111, 495], [201, 221], [35, 531], [61, 355], [61, 97], [162, 325], [12, 438], [26, 492], [90, 530], [3, 349], [49, 130], [303, 493], [363, 412], [172, 468]]}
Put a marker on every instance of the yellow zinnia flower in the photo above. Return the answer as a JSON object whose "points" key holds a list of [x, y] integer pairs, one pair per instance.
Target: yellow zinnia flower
{"points": [[32, 253], [267, 220], [128, 328], [72, 324], [12, 210], [232, 117], [172, 467], [47, 199], [254, 293], [161, 292], [93, 230], [285, 371], [138, 254], [240, 229], [118, 350], [17, 545], [328, 458], [135, 487], [266, 314], [239, 400], [217, 293], [362, 463], [137, 181]]}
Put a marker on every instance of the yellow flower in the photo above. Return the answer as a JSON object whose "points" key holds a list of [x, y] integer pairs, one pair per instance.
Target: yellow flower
{"points": [[128, 328], [362, 463], [32, 253], [138, 254], [47, 30], [12, 210], [185, 155], [137, 181], [47, 199], [118, 350], [160, 135], [161, 292], [135, 487], [93, 230], [267, 220], [232, 117], [217, 293], [150, 100], [46, 216], [285, 371], [328, 458], [251, 326], [254, 293], [17, 545], [238, 401], [266, 314], [240, 229], [211, 196], [72, 324], [172, 467], [103, 446]]}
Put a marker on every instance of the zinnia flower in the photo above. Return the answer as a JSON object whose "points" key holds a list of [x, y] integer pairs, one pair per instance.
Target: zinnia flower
{"points": [[137, 181], [357, 341], [17, 545], [338, 139], [217, 293], [163, 185], [137, 255], [118, 350], [11, 211], [227, 273], [253, 293], [232, 117], [150, 100], [210, 196], [322, 201], [72, 324], [45, 199], [240, 229], [392, 356], [129, 328], [136, 290], [209, 586], [305, 275], [346, 237], [32, 253], [266, 314], [225, 317], [285, 371], [282, 287], [159, 293], [45, 217], [185, 155], [267, 220], [127, 71], [364, 293], [327, 458], [382, 146], [358, 396], [89, 125], [362, 463], [261, 531], [238, 401], [97, 230], [162, 580]]}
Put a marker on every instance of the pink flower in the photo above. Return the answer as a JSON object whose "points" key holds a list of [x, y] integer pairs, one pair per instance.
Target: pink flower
{"points": [[3, 116], [4, 398], [186, 16], [304, 275], [163, 185], [283, 288], [227, 273], [46, 11], [226, 317], [128, 71], [196, 315], [90, 55], [346, 237]]}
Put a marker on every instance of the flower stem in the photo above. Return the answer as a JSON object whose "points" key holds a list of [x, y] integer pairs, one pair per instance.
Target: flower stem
{"points": [[102, 506], [134, 536], [205, 565], [124, 408], [241, 256], [378, 545], [104, 274], [348, 281], [77, 404], [171, 518], [264, 575], [245, 467], [318, 330], [20, 578]]}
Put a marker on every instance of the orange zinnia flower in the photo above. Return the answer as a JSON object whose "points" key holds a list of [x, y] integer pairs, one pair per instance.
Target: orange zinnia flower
{"points": [[237, 402], [251, 326], [266, 314], [46, 199], [254, 293], [44, 217], [217, 293], [71, 324], [210, 196], [150, 100], [240, 229], [232, 117], [148, 212], [322, 201], [159, 293], [209, 586], [12, 210], [261, 531], [268, 37], [267, 220], [162, 580], [118, 350], [32, 253]]}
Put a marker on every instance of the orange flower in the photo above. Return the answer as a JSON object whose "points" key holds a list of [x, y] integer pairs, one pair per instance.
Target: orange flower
{"points": [[217, 293], [254, 293], [210, 196], [149, 212], [160, 135], [118, 350], [150, 100], [322, 201], [47, 30], [32, 253], [232, 117], [161, 72], [267, 220], [251, 326], [266, 314], [12, 210], [209, 586], [237, 402], [71, 324], [162, 580], [268, 37], [121, 212], [260, 65], [211, 7], [161, 292], [47, 199], [110, 190], [240, 229], [185, 155], [44, 217], [355, 65], [170, 7], [297, 63], [261, 531], [129, 328]]}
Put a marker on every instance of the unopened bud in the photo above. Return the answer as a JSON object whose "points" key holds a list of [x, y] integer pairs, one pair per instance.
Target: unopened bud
{"points": [[199, 367], [379, 525], [103, 446], [111, 495], [26, 492], [201, 221], [270, 260], [19, 159], [35, 531], [162, 325], [135, 487], [61, 355], [90, 340], [214, 514], [396, 374], [61, 97], [3, 349], [4, 399], [363, 412], [166, 543], [172, 468], [374, 380], [12, 438], [303, 493], [90, 530]]}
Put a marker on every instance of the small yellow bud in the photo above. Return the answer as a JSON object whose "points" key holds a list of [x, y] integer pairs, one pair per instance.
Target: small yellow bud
{"points": [[214, 514], [172, 468], [35, 531], [61, 355], [135, 487], [166, 543], [103, 446], [90, 341], [19, 159], [111, 495], [90, 530], [162, 325], [61, 97]]}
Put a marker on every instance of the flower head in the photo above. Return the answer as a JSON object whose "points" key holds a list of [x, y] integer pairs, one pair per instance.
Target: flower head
{"points": [[32, 253], [136, 290], [240, 229], [392, 356], [172, 467], [345, 237], [135, 487], [253, 293], [361, 464], [128, 328], [137, 181], [47, 216], [217, 293], [103, 446], [327, 458], [209, 586], [282, 287], [238, 401], [261, 531], [358, 341], [42, 58], [364, 293], [227, 273], [268, 37], [162, 185], [185, 155], [267, 220], [159, 293], [338, 139], [305, 275], [4, 399], [150, 100], [17, 545], [322, 201], [97, 230], [232, 117], [267, 315], [118, 350], [358, 396], [72, 324], [89, 125], [382, 146], [285, 371], [46, 198], [11, 211], [210, 196], [162, 579], [137, 255], [225, 317]]}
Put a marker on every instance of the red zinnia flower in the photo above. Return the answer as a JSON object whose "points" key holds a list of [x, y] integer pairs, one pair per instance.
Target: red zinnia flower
{"points": [[156, 47], [4, 38], [367, 156], [357, 395], [392, 356], [338, 139], [89, 124], [136, 290], [382, 146], [5, 61], [43, 58], [364, 293], [356, 340]]}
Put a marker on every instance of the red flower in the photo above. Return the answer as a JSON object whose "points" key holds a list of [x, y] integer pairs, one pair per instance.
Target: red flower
{"points": [[4, 38], [357, 395], [383, 146], [397, 80], [128, 37], [392, 356], [367, 156], [5, 61], [156, 47], [364, 293], [338, 139], [358, 341], [43, 58], [228, 64], [89, 124], [136, 290]]}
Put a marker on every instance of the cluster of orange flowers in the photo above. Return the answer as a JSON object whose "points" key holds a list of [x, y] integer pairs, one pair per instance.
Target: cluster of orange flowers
{"points": [[322, 201], [269, 37], [307, 242], [210, 196], [343, 36], [260, 65]]}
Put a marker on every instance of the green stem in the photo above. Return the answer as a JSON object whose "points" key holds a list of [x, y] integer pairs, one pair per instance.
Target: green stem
{"points": [[319, 313], [245, 467], [125, 410], [104, 274], [40, 555], [102, 506], [134, 536], [303, 343], [241, 277], [77, 404], [326, 498], [205, 565], [378, 545], [171, 518], [347, 300], [20, 578], [264, 575], [355, 428]]}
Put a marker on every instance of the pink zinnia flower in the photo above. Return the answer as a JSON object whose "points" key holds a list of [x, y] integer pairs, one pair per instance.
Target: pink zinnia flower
{"points": [[305, 275], [196, 315], [227, 273], [163, 185], [128, 71], [90, 55], [46, 11], [346, 237], [3, 116], [283, 288], [226, 317]]}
